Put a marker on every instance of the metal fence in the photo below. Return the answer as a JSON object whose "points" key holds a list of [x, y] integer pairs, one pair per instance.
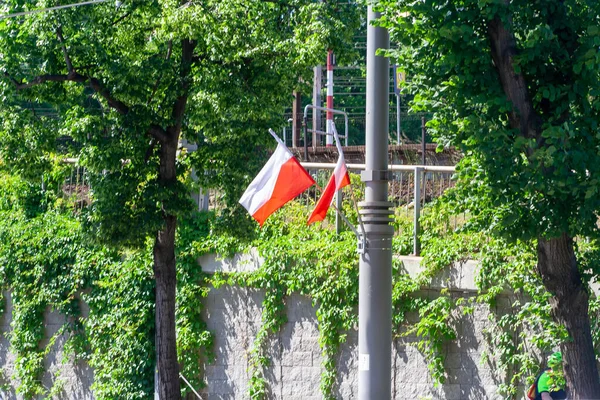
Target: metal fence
{"points": [[75, 188], [410, 187]]}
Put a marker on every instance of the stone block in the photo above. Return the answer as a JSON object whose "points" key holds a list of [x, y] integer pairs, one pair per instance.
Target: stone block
{"points": [[221, 387], [488, 377], [311, 375], [413, 375], [347, 391], [309, 343], [287, 358], [302, 390], [291, 374], [453, 360], [450, 392], [215, 396], [460, 376], [215, 372], [287, 388], [302, 359]]}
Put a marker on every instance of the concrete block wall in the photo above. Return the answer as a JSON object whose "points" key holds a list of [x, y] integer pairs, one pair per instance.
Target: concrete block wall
{"points": [[73, 379], [233, 315]]}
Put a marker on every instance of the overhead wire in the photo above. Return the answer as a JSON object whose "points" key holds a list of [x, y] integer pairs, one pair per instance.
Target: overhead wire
{"points": [[22, 13]]}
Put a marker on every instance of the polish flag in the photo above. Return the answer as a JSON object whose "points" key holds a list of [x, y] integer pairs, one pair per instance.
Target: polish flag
{"points": [[280, 180], [338, 180]]}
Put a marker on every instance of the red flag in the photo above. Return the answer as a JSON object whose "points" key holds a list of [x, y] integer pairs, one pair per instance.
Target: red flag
{"points": [[281, 179], [338, 180]]}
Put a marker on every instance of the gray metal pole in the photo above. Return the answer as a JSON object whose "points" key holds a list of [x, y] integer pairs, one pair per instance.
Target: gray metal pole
{"points": [[316, 123], [398, 120], [423, 144], [375, 265], [338, 219], [417, 209]]}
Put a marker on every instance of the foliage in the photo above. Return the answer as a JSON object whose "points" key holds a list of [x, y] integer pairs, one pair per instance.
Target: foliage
{"points": [[119, 331], [116, 338], [312, 262], [129, 84], [447, 51], [513, 86], [249, 56], [194, 341], [48, 263], [32, 265]]}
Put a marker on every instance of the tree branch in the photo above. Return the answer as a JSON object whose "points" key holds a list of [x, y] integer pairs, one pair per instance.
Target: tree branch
{"points": [[158, 133], [38, 80], [187, 56], [64, 49], [155, 88], [119, 106], [504, 50], [121, 18]]}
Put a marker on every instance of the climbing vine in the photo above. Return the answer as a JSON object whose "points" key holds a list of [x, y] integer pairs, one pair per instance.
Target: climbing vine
{"points": [[48, 262]]}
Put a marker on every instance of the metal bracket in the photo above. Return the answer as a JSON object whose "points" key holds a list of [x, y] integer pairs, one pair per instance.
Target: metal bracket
{"points": [[361, 245], [371, 175]]}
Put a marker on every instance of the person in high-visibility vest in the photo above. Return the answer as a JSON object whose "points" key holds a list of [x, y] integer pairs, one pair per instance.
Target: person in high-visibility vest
{"points": [[545, 389]]}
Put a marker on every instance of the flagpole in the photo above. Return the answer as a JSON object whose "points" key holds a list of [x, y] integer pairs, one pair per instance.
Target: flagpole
{"points": [[272, 132], [339, 148], [341, 214]]}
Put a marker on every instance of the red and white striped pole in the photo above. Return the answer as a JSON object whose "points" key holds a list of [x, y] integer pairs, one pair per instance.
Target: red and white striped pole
{"points": [[328, 129]]}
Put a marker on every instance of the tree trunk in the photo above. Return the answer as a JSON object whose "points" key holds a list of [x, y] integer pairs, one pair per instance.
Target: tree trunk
{"points": [[557, 266], [165, 272], [168, 384], [165, 339]]}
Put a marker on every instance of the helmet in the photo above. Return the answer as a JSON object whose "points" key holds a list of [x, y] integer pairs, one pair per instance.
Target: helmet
{"points": [[555, 359]]}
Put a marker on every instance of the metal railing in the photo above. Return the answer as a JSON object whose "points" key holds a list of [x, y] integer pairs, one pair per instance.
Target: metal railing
{"points": [[410, 187]]}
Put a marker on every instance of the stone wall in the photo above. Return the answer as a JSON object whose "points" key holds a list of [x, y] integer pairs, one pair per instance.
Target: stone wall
{"points": [[68, 379], [233, 314]]}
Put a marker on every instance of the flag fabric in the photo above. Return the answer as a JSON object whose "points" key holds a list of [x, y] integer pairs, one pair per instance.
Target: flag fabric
{"points": [[281, 179], [338, 180]]}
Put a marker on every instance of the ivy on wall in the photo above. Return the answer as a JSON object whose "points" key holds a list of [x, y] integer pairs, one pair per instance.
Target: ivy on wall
{"points": [[48, 262]]}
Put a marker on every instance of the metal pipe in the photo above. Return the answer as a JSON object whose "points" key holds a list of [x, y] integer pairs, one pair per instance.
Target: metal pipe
{"points": [[333, 111], [329, 138], [305, 138], [398, 120], [347, 133], [424, 147], [417, 214], [316, 120], [375, 264], [391, 167], [190, 386]]}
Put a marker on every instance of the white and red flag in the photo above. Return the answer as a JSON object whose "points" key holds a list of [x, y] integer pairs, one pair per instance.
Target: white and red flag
{"points": [[338, 180], [279, 181]]}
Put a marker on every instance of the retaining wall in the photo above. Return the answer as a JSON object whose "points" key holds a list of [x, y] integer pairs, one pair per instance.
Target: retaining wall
{"points": [[233, 314]]}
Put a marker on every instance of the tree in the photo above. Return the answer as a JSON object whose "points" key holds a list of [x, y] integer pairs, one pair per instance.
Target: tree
{"points": [[129, 83], [514, 85]]}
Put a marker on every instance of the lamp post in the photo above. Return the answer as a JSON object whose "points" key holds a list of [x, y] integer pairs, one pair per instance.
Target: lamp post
{"points": [[375, 264]]}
